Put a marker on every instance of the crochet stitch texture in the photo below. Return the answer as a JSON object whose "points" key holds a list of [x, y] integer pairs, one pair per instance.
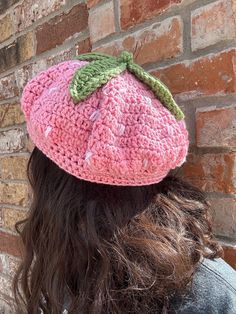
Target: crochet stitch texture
{"points": [[120, 134], [103, 67]]}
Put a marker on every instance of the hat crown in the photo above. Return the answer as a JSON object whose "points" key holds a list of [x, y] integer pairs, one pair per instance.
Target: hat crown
{"points": [[120, 134]]}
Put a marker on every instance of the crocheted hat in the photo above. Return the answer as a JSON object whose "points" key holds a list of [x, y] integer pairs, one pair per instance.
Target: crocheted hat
{"points": [[106, 120]]}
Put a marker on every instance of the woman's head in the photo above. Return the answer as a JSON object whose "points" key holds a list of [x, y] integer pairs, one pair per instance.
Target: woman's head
{"points": [[105, 121], [109, 229], [109, 249]]}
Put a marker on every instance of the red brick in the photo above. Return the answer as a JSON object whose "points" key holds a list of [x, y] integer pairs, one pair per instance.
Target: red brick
{"points": [[224, 216], [6, 28], [26, 72], [10, 244], [102, 22], [230, 256], [12, 141], [11, 216], [213, 23], [14, 193], [30, 11], [159, 42], [68, 54], [10, 114], [216, 127], [8, 87], [13, 167], [211, 75], [58, 29], [83, 46], [20, 50], [137, 11], [92, 3], [211, 172], [61, 56]]}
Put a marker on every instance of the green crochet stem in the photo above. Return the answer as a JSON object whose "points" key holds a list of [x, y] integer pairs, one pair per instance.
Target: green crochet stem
{"points": [[102, 67]]}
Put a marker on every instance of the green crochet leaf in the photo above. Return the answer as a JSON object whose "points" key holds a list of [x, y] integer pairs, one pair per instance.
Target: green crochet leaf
{"points": [[92, 76], [90, 56], [103, 67], [160, 89]]}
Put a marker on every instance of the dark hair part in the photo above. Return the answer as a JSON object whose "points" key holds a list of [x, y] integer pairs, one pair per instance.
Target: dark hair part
{"points": [[108, 249]]}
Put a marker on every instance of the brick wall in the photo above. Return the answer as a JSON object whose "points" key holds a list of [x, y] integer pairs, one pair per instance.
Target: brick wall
{"points": [[189, 44]]}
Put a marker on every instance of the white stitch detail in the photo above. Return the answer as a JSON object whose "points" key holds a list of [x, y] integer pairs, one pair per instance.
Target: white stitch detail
{"points": [[88, 155], [169, 130], [94, 115], [145, 163], [47, 131], [121, 129], [52, 89], [148, 100]]}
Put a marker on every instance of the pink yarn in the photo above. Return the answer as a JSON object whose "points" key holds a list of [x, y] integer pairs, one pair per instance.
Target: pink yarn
{"points": [[120, 135]]}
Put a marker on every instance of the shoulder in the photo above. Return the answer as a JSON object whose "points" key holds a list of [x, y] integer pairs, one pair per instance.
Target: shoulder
{"points": [[213, 290], [218, 271]]}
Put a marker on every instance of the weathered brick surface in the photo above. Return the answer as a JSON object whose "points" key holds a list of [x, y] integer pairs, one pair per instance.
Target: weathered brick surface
{"points": [[213, 23], [9, 56], [8, 264], [10, 216], [230, 256], [8, 88], [211, 75], [137, 11], [12, 141], [62, 56], [156, 43], [10, 114], [13, 167], [6, 27], [14, 193], [30, 11], [57, 30], [102, 27], [10, 244], [92, 3], [83, 46], [5, 285], [26, 72], [216, 127], [6, 4], [224, 215], [211, 172], [29, 145], [17, 52], [26, 47]]}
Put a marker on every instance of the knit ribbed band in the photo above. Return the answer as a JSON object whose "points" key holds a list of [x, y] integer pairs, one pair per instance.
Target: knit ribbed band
{"points": [[103, 67]]}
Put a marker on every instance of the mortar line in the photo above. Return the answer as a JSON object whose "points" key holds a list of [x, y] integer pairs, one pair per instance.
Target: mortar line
{"points": [[172, 12], [64, 9], [116, 6], [68, 44], [10, 9], [11, 206], [11, 100]]}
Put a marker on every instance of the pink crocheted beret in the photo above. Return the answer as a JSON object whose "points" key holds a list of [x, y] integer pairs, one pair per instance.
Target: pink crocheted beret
{"points": [[104, 119]]}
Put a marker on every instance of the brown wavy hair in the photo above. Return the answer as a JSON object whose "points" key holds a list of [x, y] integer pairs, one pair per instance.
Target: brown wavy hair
{"points": [[108, 249]]}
